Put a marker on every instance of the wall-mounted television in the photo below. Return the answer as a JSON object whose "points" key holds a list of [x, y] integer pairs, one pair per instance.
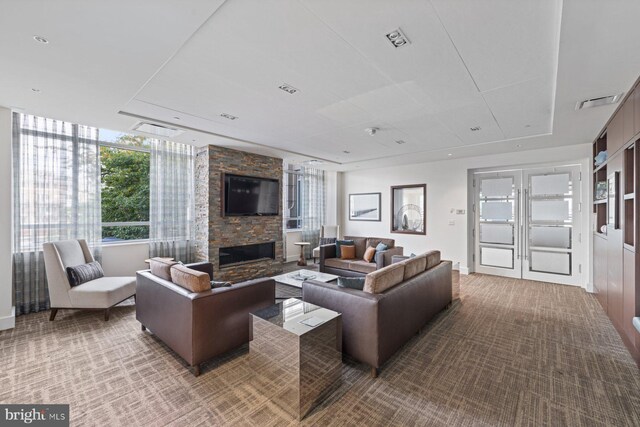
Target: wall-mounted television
{"points": [[248, 195]]}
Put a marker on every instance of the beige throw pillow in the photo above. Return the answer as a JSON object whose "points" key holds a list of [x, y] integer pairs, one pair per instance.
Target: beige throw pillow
{"points": [[385, 278], [193, 280], [161, 267], [369, 254]]}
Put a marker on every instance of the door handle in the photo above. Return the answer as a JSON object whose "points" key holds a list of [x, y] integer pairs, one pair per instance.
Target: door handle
{"points": [[525, 233]]}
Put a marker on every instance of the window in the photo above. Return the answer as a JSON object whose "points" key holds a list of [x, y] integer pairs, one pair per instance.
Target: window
{"points": [[293, 195], [125, 163]]}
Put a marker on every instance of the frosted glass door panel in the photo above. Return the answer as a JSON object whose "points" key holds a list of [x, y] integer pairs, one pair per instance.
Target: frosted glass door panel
{"points": [[551, 237], [496, 187], [550, 185], [550, 210], [551, 262], [496, 257], [496, 233], [496, 211]]}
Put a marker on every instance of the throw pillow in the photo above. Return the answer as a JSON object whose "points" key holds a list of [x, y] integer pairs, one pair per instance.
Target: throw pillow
{"points": [[381, 247], [348, 252], [84, 273], [340, 243], [327, 240], [216, 284], [161, 267], [193, 280], [351, 282], [369, 254]]}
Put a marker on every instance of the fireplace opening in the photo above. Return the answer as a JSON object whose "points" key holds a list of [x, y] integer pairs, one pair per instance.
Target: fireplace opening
{"points": [[246, 253]]}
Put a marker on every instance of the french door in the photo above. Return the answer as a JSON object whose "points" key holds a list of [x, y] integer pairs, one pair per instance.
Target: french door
{"points": [[527, 224]]}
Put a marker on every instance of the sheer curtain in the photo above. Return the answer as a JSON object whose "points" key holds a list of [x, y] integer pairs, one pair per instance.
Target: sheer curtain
{"points": [[56, 196], [313, 204], [172, 201]]}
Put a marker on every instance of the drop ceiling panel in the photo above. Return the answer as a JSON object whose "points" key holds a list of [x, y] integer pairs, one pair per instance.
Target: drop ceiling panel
{"points": [[461, 120], [506, 41], [523, 109], [428, 69]]}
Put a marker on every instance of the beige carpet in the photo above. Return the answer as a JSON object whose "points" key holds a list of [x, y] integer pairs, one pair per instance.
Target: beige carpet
{"points": [[509, 352]]}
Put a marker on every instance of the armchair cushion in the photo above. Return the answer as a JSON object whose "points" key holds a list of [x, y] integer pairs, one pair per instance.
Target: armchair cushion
{"points": [[193, 280], [103, 292], [84, 273]]}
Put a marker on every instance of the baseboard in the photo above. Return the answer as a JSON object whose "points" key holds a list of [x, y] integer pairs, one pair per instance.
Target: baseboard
{"points": [[464, 270], [292, 258], [8, 322]]}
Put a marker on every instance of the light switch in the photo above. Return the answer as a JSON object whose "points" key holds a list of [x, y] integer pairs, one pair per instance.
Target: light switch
{"points": [[460, 211]]}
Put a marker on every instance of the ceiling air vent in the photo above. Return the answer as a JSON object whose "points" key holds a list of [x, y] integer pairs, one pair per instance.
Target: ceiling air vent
{"points": [[157, 130], [597, 102]]}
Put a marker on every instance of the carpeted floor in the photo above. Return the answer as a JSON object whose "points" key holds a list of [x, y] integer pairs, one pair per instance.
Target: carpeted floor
{"points": [[509, 352]]}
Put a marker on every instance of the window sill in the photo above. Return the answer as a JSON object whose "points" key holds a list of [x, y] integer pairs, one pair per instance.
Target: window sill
{"points": [[126, 243]]}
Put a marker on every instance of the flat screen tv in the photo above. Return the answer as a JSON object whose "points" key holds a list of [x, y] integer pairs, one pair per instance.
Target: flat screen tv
{"points": [[248, 195]]}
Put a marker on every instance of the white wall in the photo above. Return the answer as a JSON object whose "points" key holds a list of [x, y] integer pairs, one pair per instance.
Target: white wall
{"points": [[124, 259], [447, 188], [7, 313]]}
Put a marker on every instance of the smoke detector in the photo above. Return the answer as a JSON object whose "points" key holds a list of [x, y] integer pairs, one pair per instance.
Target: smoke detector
{"points": [[597, 102], [371, 131]]}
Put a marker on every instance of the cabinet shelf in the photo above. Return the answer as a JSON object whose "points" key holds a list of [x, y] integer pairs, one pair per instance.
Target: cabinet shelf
{"points": [[629, 196], [599, 202]]}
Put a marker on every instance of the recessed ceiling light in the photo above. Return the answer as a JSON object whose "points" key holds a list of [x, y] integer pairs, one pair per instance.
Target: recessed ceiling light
{"points": [[176, 117], [288, 88], [346, 152], [475, 128], [313, 162], [228, 116], [527, 126], [596, 102], [449, 154], [518, 145], [40, 39], [397, 38], [35, 90], [371, 131]]}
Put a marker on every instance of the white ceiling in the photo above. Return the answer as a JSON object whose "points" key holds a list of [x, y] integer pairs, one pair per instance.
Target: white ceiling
{"points": [[514, 68]]}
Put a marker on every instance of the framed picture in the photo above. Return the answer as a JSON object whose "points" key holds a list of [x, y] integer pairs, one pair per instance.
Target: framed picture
{"points": [[408, 209], [364, 207]]}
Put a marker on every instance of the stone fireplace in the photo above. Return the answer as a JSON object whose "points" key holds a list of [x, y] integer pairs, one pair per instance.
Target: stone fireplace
{"points": [[239, 247]]}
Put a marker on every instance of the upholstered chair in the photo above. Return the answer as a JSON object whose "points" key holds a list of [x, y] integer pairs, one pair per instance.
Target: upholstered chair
{"points": [[102, 293], [326, 231]]}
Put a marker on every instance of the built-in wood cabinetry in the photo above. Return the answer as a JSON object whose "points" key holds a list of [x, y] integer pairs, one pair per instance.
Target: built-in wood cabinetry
{"points": [[616, 260]]}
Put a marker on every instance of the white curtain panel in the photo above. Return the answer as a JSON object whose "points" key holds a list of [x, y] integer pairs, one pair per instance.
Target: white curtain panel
{"points": [[172, 201], [313, 205], [56, 196]]}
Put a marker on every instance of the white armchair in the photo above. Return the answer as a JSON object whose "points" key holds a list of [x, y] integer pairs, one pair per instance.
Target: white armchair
{"points": [[102, 293], [327, 231]]}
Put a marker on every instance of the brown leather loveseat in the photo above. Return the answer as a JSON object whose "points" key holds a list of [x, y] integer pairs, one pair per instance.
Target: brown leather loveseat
{"points": [[199, 325], [329, 263], [397, 301]]}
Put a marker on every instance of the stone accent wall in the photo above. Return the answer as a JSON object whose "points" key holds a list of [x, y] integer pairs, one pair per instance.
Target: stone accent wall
{"points": [[213, 231]]}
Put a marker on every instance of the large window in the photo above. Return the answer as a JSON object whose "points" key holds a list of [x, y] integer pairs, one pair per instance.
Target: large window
{"points": [[293, 178], [124, 161]]}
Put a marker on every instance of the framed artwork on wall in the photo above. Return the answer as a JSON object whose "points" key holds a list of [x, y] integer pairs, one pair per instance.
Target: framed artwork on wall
{"points": [[365, 207], [408, 209]]}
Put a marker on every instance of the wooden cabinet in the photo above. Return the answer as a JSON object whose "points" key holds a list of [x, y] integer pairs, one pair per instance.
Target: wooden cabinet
{"points": [[628, 125], [629, 296], [615, 133], [616, 253], [600, 269]]}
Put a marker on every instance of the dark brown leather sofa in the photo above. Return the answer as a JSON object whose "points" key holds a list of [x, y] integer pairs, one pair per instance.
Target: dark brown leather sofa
{"points": [[357, 267], [199, 326], [376, 325]]}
